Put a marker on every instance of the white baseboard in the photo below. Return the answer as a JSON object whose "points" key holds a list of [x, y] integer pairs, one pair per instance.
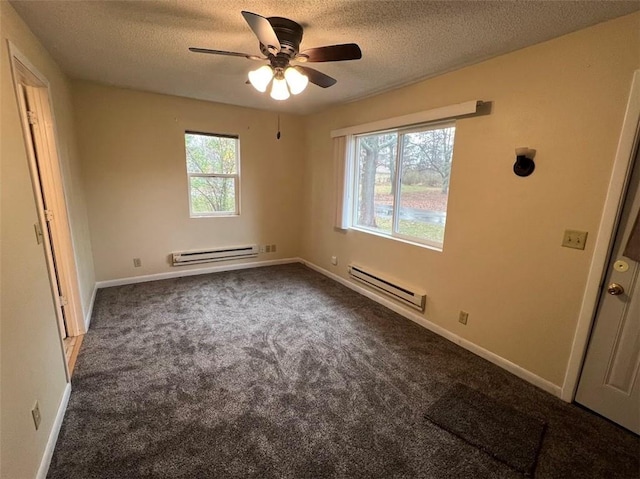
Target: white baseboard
{"points": [[439, 330], [181, 272], [87, 318], [53, 435]]}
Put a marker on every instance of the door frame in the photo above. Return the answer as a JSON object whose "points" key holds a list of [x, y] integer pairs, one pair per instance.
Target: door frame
{"points": [[27, 76], [623, 164]]}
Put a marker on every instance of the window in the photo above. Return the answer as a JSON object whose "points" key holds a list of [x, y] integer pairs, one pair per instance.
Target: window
{"points": [[401, 182], [213, 165]]}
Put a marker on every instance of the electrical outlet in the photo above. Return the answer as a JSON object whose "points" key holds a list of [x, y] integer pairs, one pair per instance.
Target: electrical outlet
{"points": [[35, 412], [268, 248], [273, 248], [334, 260], [574, 239], [262, 248], [137, 262], [463, 317]]}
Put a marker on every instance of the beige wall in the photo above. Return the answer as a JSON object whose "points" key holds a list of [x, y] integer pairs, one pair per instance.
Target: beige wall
{"points": [[32, 365], [74, 192], [132, 145], [502, 261]]}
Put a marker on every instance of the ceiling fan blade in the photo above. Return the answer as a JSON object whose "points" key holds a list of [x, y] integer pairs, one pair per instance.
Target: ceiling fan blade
{"points": [[316, 77], [331, 53], [222, 52], [263, 30]]}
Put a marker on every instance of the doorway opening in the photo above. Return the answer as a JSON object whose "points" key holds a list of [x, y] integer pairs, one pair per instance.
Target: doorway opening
{"points": [[53, 230], [609, 382], [600, 271]]}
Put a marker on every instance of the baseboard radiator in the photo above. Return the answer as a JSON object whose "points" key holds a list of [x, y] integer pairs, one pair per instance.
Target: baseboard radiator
{"points": [[182, 258], [401, 293]]}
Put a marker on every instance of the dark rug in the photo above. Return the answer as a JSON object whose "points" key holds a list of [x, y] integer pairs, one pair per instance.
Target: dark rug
{"points": [[281, 372], [506, 434]]}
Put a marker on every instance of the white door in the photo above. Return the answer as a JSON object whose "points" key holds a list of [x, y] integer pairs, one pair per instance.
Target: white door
{"points": [[41, 156], [609, 380]]}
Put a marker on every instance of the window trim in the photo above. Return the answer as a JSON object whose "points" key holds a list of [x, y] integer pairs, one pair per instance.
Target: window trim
{"points": [[351, 192], [235, 176], [344, 152], [453, 112]]}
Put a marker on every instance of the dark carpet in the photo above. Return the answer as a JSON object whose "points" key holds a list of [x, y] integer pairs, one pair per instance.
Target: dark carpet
{"points": [[281, 372], [508, 435]]}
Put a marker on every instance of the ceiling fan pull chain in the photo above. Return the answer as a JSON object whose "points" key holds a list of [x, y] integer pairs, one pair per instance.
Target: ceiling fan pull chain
{"points": [[278, 134]]}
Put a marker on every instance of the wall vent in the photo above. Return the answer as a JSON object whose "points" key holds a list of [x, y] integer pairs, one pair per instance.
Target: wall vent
{"points": [[181, 258], [401, 293]]}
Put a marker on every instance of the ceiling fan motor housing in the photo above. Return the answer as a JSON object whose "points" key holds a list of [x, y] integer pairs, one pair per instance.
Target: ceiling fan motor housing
{"points": [[279, 39], [290, 35]]}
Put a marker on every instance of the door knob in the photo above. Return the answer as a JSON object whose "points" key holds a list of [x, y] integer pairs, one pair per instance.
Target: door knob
{"points": [[615, 289]]}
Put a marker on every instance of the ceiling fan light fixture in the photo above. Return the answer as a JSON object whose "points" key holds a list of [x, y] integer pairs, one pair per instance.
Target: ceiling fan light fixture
{"points": [[297, 81], [280, 40], [279, 90], [261, 77]]}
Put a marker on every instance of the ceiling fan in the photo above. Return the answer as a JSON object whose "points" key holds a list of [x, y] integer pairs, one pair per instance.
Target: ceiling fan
{"points": [[280, 40]]}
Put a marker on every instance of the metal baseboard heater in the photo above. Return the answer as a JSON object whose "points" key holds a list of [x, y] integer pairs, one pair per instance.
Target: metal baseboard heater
{"points": [[401, 293], [182, 258]]}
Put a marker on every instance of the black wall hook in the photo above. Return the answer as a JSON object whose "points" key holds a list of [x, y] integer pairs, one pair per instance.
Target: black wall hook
{"points": [[524, 164]]}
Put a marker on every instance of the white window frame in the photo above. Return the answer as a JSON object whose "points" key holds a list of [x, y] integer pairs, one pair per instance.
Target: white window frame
{"points": [[344, 156], [236, 177], [353, 141]]}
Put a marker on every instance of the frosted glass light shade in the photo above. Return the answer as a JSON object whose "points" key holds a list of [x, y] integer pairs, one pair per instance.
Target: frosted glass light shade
{"points": [[279, 90], [261, 77], [297, 81]]}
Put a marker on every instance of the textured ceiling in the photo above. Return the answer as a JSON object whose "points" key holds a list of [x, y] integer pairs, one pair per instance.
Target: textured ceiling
{"points": [[143, 44]]}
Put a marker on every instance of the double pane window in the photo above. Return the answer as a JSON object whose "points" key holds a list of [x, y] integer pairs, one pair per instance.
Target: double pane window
{"points": [[402, 182], [213, 164]]}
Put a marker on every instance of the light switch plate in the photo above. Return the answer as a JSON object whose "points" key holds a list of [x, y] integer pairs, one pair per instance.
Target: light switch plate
{"points": [[574, 239]]}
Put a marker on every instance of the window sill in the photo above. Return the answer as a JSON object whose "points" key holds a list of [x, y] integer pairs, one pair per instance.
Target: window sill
{"points": [[221, 215], [397, 238]]}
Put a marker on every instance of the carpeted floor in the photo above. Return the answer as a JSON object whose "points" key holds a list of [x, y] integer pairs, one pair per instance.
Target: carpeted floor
{"points": [[280, 372]]}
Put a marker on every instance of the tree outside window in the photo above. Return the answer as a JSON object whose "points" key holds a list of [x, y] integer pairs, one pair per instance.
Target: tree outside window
{"points": [[212, 167], [402, 182]]}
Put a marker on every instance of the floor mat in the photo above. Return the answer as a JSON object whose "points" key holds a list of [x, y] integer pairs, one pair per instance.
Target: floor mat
{"points": [[508, 435]]}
